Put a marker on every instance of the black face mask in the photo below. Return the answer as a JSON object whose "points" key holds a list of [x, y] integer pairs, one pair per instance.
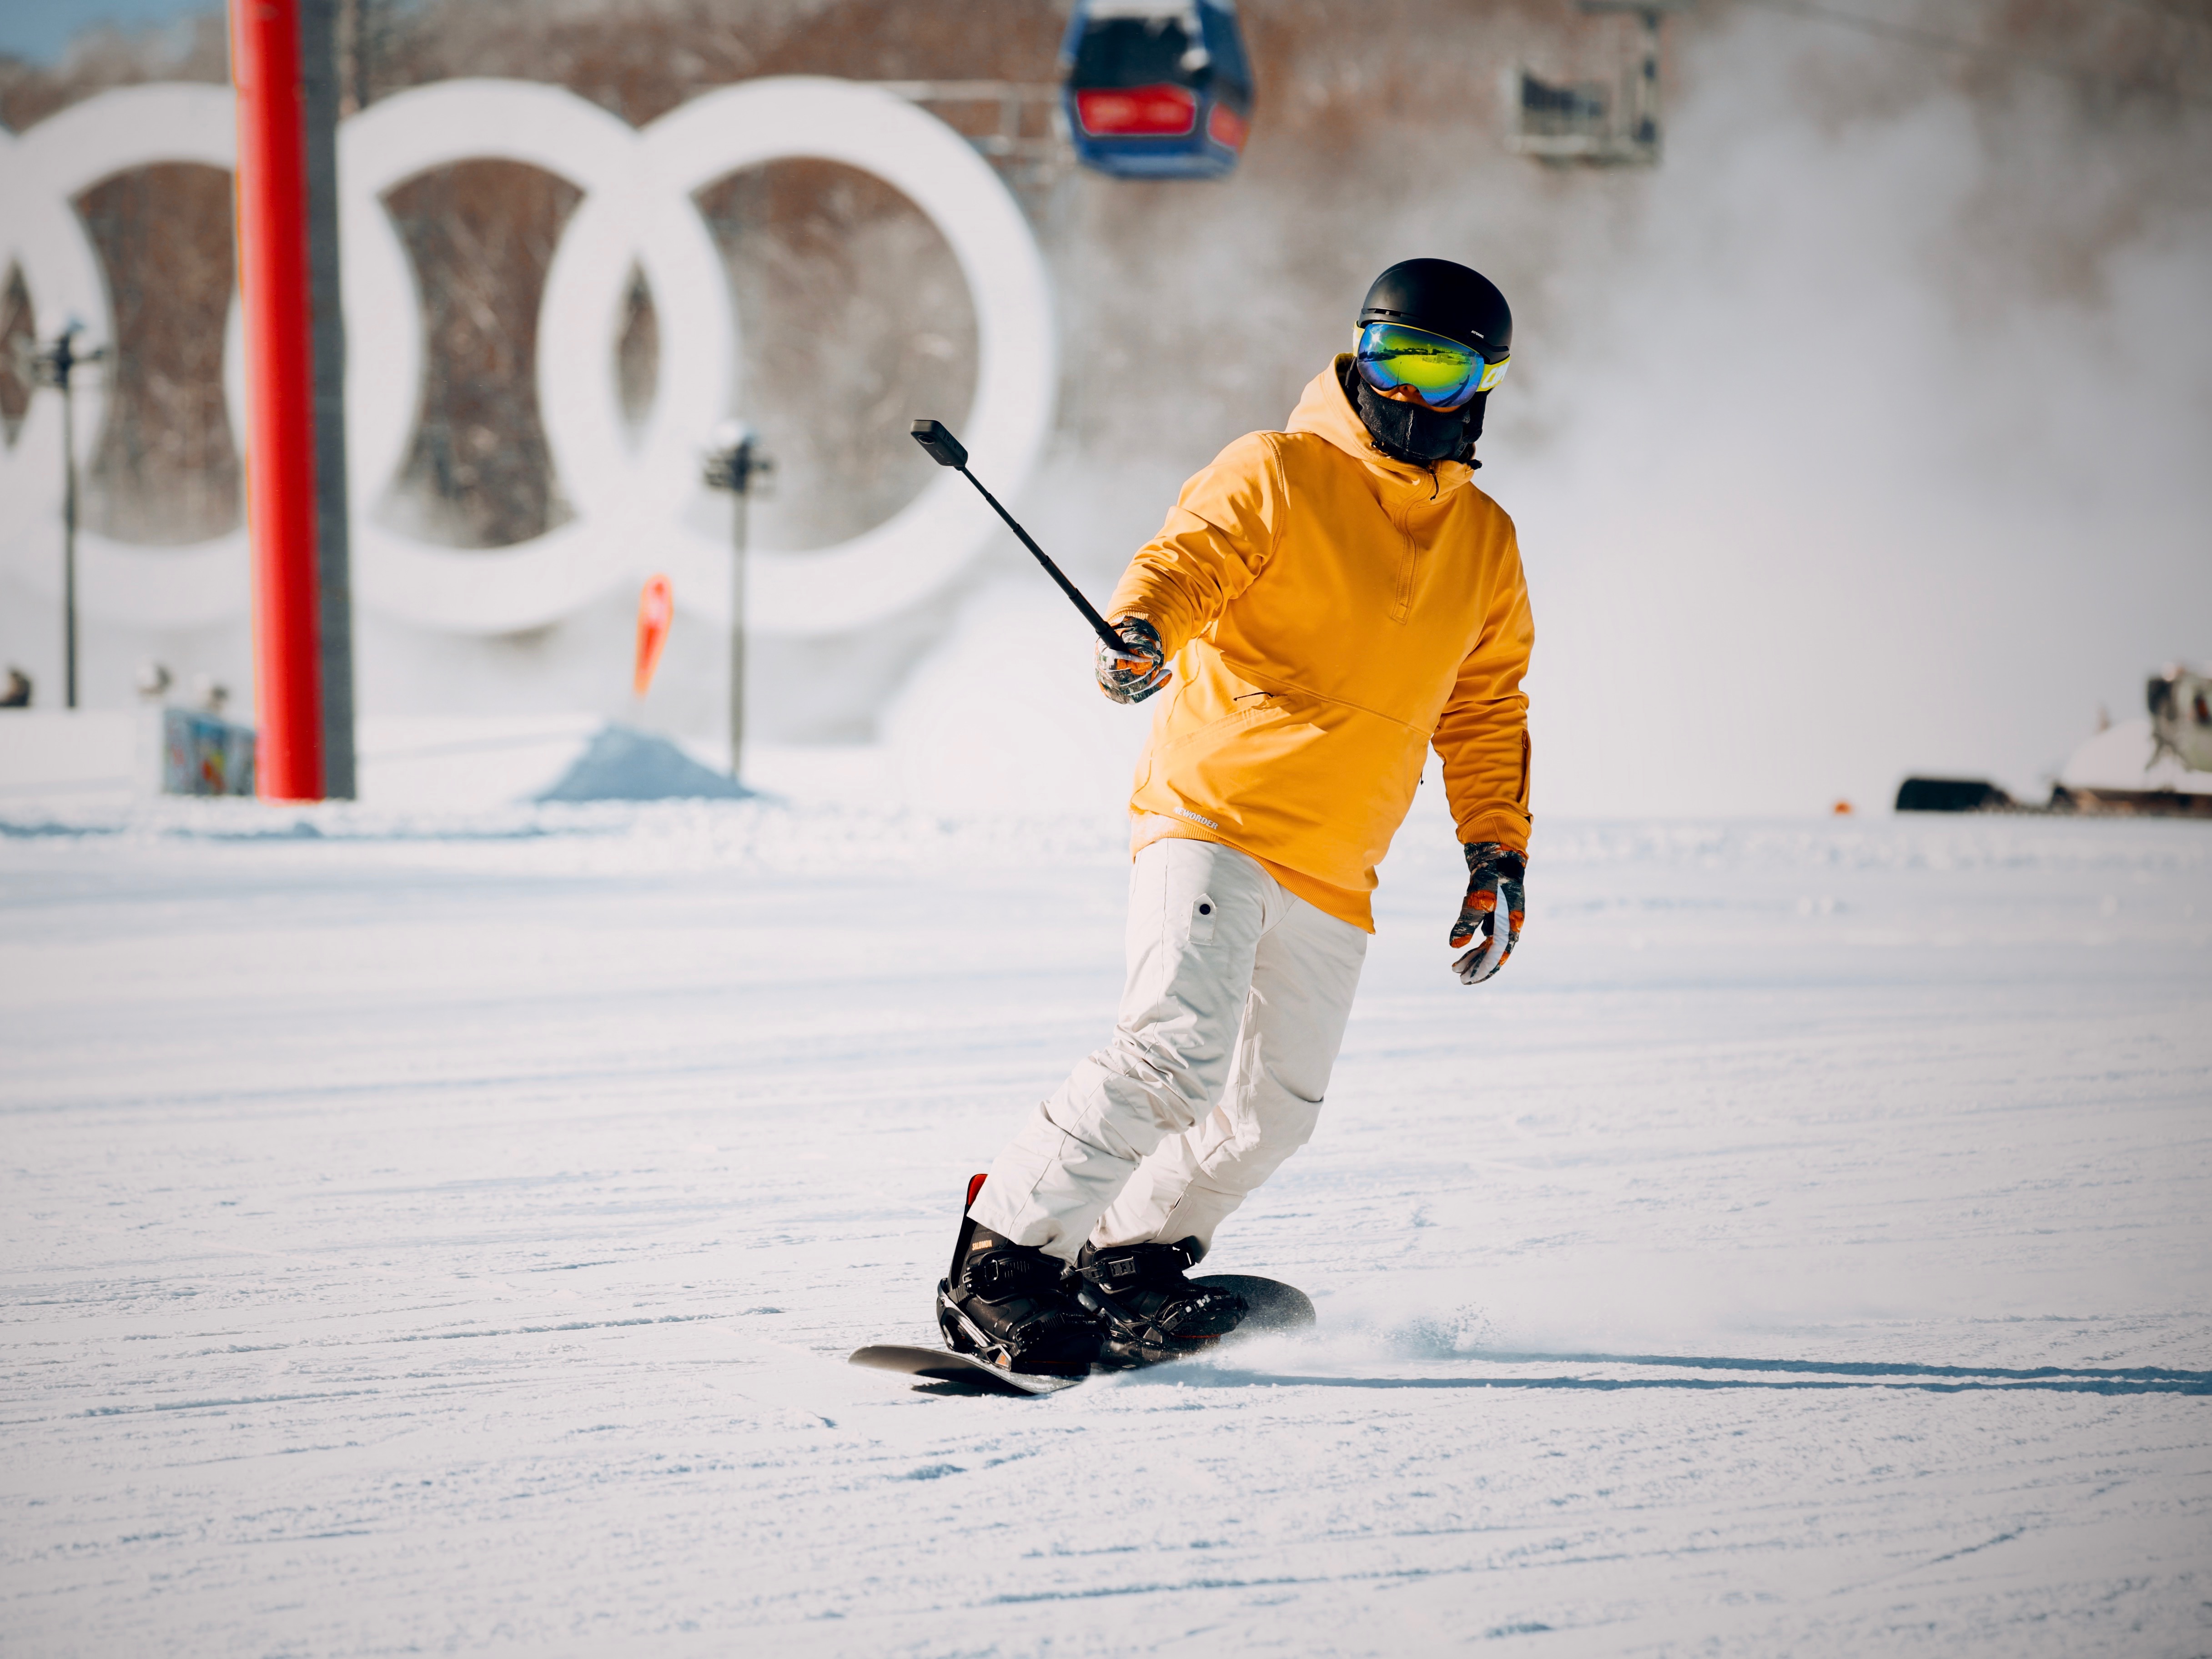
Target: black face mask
{"points": [[1411, 432]]}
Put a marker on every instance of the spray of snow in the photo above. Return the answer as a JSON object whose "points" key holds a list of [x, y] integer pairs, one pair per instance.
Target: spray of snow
{"points": [[1846, 477]]}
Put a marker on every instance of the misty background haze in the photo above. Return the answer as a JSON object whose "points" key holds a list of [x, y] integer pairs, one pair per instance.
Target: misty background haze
{"points": [[1867, 435]]}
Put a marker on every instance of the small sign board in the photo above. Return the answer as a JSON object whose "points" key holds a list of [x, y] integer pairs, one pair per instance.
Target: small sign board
{"points": [[204, 754]]}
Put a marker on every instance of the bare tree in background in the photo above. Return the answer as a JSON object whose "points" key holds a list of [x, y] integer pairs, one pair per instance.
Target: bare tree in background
{"points": [[477, 473], [167, 467]]}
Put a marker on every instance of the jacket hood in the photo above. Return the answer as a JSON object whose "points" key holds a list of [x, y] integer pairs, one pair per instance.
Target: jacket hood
{"points": [[1325, 411]]}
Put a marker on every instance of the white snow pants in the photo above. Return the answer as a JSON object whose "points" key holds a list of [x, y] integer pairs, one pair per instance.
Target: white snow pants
{"points": [[1235, 1006]]}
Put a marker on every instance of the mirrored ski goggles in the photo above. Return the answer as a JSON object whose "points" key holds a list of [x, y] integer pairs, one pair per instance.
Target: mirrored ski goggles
{"points": [[1441, 373]]}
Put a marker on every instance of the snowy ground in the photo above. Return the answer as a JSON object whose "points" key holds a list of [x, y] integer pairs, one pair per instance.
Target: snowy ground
{"points": [[445, 1236]]}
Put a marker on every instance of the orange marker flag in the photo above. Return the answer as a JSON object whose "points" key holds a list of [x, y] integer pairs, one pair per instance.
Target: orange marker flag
{"points": [[656, 607]]}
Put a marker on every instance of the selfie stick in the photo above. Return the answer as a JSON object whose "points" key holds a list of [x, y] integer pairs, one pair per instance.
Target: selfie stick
{"points": [[946, 451]]}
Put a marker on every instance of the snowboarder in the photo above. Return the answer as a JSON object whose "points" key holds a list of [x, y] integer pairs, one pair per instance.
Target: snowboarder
{"points": [[1327, 601]]}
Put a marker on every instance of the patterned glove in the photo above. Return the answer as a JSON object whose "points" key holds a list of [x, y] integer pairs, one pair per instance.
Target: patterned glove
{"points": [[1492, 873], [1140, 669]]}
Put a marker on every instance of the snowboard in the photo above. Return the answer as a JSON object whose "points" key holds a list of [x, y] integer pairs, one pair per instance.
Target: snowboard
{"points": [[1272, 1307]]}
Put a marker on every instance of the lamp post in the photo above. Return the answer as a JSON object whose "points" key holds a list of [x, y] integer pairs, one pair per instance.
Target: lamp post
{"points": [[736, 464], [55, 363]]}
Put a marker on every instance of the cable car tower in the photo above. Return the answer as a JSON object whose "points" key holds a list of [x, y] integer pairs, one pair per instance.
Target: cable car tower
{"points": [[1589, 122]]}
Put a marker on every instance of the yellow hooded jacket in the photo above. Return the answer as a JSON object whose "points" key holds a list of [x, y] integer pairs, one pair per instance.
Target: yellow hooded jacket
{"points": [[1331, 612]]}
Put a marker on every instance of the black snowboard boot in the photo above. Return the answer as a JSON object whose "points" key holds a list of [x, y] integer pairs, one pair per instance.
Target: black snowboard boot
{"points": [[1013, 1306], [1153, 1313]]}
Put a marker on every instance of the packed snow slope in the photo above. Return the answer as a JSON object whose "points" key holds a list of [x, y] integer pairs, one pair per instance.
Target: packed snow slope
{"points": [[445, 1235]]}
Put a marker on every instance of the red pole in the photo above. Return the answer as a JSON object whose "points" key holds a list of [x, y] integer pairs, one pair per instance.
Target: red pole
{"points": [[279, 473]]}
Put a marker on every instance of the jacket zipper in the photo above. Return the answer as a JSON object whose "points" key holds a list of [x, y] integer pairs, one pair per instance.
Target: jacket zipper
{"points": [[1402, 608]]}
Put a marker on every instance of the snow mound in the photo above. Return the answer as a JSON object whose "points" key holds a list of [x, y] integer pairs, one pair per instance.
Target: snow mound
{"points": [[623, 763], [2120, 758]]}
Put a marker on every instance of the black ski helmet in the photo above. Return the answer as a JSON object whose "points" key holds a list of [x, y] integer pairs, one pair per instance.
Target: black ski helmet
{"points": [[1445, 299], [1448, 298]]}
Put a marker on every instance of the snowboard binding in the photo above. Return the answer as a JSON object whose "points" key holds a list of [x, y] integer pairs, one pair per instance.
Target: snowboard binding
{"points": [[1150, 1311], [1010, 1306]]}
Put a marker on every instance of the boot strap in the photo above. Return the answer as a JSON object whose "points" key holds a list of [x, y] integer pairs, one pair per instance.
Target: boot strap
{"points": [[1136, 1267], [994, 1276]]}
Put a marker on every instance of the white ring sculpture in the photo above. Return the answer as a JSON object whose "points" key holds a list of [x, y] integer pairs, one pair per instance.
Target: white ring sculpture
{"points": [[634, 495]]}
